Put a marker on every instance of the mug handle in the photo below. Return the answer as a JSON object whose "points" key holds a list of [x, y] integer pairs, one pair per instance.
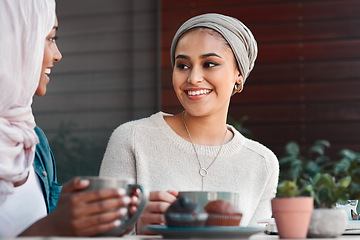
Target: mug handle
{"points": [[140, 209]]}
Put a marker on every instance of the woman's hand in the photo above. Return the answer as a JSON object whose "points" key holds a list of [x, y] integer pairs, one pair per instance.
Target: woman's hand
{"points": [[86, 213], [159, 201]]}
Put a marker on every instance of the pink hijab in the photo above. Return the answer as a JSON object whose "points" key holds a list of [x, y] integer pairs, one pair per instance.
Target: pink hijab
{"points": [[24, 25]]}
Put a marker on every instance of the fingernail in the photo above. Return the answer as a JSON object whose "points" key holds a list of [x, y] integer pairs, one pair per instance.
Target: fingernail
{"points": [[135, 199], [126, 200], [121, 191], [84, 181], [117, 223], [122, 211]]}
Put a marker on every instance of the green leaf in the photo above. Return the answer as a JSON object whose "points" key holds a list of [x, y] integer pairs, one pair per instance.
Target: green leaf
{"points": [[308, 187], [346, 162], [324, 196], [325, 143], [319, 149], [324, 180], [340, 168], [286, 160], [296, 169], [344, 182], [348, 154], [322, 160], [292, 148], [311, 169], [356, 174], [355, 191]]}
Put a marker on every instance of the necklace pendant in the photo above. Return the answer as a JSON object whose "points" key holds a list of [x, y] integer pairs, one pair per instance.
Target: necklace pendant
{"points": [[203, 172]]}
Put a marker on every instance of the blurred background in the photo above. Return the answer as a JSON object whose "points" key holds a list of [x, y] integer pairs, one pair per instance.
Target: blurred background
{"points": [[116, 68]]}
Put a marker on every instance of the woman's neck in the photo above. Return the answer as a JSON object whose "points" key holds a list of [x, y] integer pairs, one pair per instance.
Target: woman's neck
{"points": [[206, 130]]}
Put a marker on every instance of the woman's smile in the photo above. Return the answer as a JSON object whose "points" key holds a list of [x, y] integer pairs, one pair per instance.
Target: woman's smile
{"points": [[198, 92], [47, 73]]}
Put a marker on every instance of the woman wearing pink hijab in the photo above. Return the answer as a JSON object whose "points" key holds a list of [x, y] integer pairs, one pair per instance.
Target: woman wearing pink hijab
{"points": [[25, 28]]}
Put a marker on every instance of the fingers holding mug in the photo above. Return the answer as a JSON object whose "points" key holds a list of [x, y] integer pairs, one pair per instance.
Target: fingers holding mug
{"points": [[113, 205], [102, 218], [135, 201], [97, 201], [85, 229]]}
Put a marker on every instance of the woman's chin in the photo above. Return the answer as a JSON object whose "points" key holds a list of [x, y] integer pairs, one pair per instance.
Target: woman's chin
{"points": [[40, 92]]}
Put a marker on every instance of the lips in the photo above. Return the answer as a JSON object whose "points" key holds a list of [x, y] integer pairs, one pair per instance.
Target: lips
{"points": [[47, 71]]}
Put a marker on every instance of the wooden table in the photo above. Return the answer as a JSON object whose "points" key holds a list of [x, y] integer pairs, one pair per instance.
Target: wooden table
{"points": [[259, 236]]}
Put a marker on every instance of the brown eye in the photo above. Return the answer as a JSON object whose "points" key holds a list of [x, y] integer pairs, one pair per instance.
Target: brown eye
{"points": [[53, 39], [181, 66], [210, 64]]}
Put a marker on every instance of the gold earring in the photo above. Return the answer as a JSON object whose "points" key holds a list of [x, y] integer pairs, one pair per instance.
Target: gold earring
{"points": [[236, 87]]}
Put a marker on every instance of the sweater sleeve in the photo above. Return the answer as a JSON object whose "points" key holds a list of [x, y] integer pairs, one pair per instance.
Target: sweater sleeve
{"points": [[119, 157], [263, 210]]}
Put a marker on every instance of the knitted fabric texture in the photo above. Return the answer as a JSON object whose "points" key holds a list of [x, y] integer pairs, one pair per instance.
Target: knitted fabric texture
{"points": [[149, 151]]}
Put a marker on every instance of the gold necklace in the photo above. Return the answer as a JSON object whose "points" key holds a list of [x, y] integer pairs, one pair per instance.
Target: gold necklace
{"points": [[202, 171]]}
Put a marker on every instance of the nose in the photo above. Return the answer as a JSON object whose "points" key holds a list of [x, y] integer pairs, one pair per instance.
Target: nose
{"points": [[196, 76], [57, 54]]}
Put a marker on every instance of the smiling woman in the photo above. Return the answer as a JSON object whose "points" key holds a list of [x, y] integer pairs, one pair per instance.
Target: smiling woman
{"points": [[29, 191], [51, 55], [21, 46], [212, 55], [205, 73]]}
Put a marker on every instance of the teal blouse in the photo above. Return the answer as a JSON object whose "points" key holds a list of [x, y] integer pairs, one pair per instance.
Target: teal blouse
{"points": [[45, 168]]}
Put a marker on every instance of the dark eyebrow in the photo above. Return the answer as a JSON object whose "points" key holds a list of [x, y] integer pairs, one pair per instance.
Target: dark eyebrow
{"points": [[202, 56], [210, 55], [56, 27], [182, 56]]}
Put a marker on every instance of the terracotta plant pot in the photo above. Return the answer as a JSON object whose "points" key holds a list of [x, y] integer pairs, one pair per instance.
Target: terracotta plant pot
{"points": [[327, 223], [292, 216]]}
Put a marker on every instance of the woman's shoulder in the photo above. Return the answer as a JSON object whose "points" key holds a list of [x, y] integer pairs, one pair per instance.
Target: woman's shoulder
{"points": [[267, 156], [256, 147], [152, 121], [39, 132], [43, 141]]}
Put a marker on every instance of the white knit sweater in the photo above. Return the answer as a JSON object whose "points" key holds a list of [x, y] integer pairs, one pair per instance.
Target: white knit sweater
{"points": [[152, 153]]}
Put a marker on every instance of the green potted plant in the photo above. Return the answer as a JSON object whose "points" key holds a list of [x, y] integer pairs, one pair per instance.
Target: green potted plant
{"points": [[327, 181], [291, 210], [326, 220], [295, 165]]}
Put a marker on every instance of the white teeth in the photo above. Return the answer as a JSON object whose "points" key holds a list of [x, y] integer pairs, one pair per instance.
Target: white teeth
{"points": [[48, 71], [199, 92]]}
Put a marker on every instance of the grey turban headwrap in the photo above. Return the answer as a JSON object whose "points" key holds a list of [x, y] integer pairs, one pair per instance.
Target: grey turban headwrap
{"points": [[239, 37]]}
